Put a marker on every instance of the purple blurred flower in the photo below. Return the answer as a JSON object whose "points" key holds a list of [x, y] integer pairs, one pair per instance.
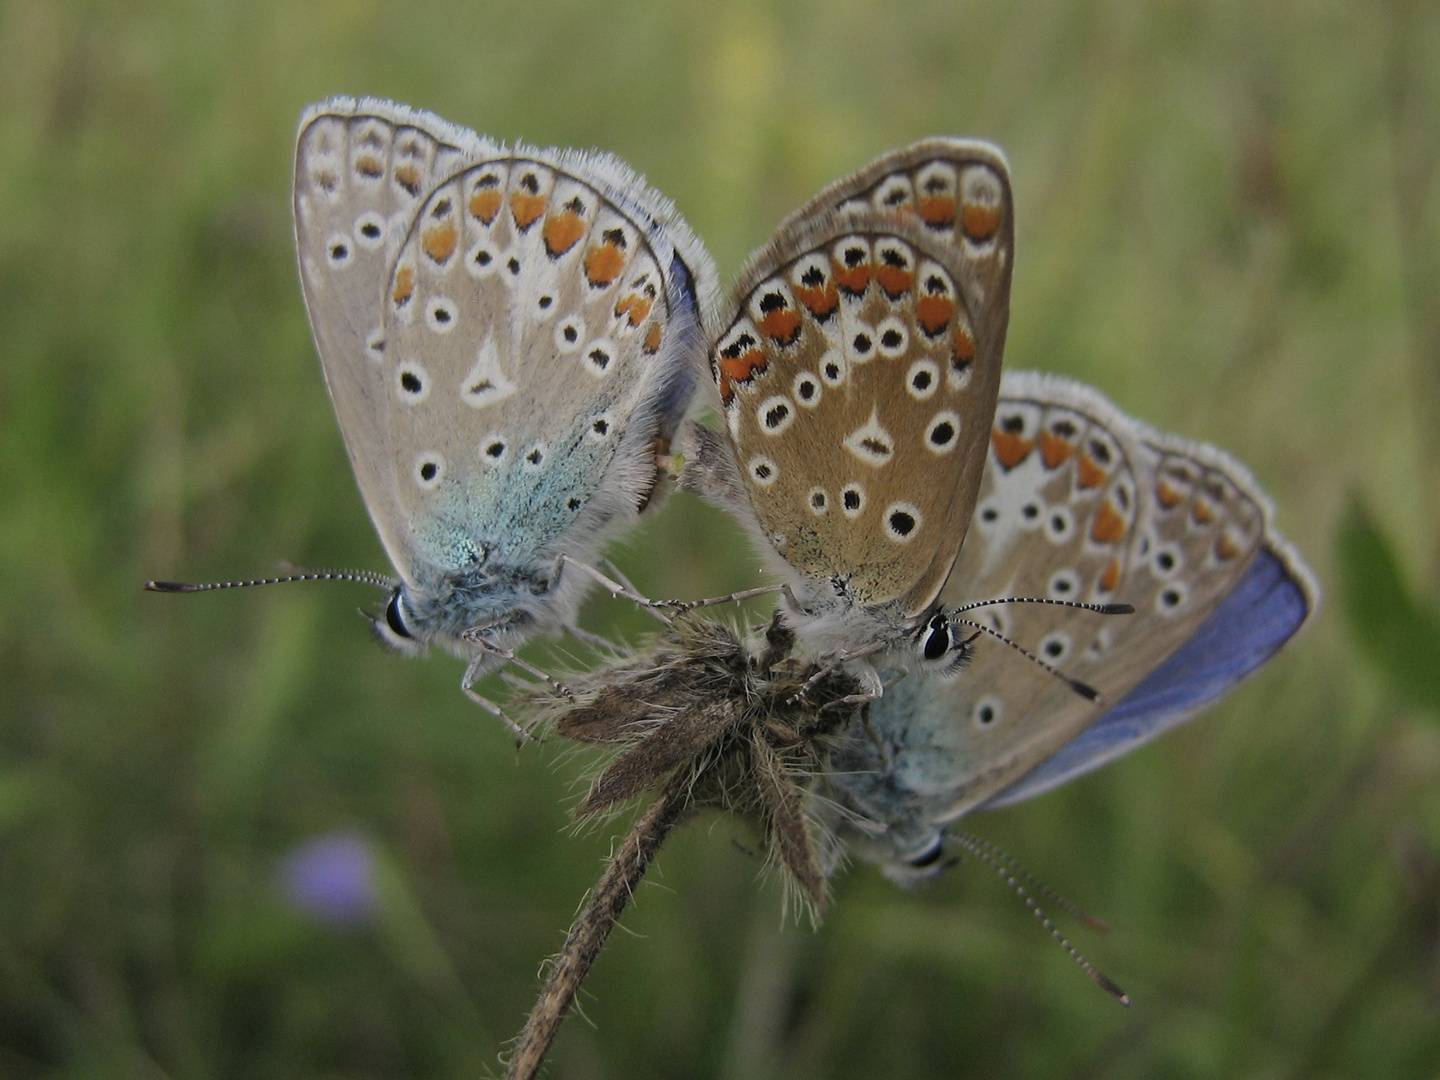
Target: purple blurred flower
{"points": [[332, 877]]}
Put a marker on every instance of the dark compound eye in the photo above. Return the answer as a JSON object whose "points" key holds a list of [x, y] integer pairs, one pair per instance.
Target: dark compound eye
{"points": [[394, 619], [929, 858], [937, 638]]}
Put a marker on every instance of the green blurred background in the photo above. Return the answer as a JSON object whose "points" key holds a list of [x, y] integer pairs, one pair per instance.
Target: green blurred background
{"points": [[1228, 220]]}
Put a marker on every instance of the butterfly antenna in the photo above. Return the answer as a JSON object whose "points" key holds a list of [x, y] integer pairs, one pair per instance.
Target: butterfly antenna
{"points": [[363, 577], [1099, 609], [1084, 689], [1074, 911], [1002, 866]]}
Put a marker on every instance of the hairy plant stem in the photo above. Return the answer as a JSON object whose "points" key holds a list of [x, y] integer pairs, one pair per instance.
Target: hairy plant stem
{"points": [[592, 926]]}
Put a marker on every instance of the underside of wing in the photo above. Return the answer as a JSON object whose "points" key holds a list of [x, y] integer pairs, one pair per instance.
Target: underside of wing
{"points": [[1079, 503], [859, 371], [362, 169]]}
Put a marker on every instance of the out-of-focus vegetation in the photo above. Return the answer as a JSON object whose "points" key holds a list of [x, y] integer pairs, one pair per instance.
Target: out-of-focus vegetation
{"points": [[1228, 220]]}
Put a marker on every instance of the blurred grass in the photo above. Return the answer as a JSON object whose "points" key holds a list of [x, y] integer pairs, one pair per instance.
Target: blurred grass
{"points": [[1229, 221]]}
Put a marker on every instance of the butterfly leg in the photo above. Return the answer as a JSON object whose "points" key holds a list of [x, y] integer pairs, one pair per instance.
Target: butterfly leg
{"points": [[595, 641], [865, 672], [521, 735], [615, 588]]}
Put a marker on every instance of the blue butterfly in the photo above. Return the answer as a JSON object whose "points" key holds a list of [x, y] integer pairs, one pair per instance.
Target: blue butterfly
{"points": [[1078, 502]]}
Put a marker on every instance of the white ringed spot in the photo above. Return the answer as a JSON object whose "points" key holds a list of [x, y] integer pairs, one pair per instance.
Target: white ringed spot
{"points": [[599, 357], [1172, 598], [429, 470], [493, 448], [370, 230], [894, 337], [1055, 647], [339, 251], [441, 314], [806, 389], [412, 383], [818, 500], [569, 333], [902, 522], [922, 380], [1063, 585], [1166, 561], [601, 428], [775, 414], [852, 500], [988, 712], [943, 434], [482, 260], [763, 470], [1060, 525]]}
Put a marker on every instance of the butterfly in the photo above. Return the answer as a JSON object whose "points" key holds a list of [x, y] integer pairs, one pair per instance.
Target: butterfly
{"points": [[1078, 501], [857, 375], [509, 337]]}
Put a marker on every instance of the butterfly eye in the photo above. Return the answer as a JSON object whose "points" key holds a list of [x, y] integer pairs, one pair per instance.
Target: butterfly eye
{"points": [[395, 619], [937, 638]]}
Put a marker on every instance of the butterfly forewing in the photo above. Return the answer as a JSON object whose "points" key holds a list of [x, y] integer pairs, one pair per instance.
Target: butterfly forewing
{"points": [[859, 374], [956, 188], [361, 171], [524, 318]]}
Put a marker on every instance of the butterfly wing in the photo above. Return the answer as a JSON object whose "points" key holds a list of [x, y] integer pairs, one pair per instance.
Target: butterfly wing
{"points": [[542, 323], [1080, 502], [1271, 602], [361, 171], [858, 373], [503, 360]]}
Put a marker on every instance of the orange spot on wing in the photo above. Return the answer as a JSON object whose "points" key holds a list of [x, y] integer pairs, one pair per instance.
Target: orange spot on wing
{"points": [[652, 338], [1109, 526], [1055, 450], [782, 325], [1202, 512], [368, 166], [408, 177], [525, 208], [1226, 548], [1169, 497], [853, 279], [962, 351], [485, 203], [934, 313], [563, 231], [1011, 449], [1110, 580], [895, 280], [980, 222], [821, 300], [636, 306], [744, 367], [937, 210], [1091, 475], [603, 264], [439, 241], [404, 285]]}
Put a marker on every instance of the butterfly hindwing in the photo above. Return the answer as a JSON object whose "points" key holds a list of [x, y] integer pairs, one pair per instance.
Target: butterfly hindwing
{"points": [[533, 339], [1079, 502]]}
